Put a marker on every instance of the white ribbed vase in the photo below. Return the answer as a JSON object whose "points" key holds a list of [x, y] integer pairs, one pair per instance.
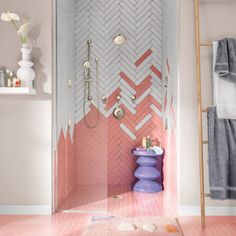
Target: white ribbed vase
{"points": [[25, 73]]}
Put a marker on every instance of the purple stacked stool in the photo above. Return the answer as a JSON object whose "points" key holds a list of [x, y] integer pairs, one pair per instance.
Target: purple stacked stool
{"points": [[147, 172]]}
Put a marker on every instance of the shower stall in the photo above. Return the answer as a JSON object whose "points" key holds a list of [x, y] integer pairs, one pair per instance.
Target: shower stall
{"points": [[116, 73]]}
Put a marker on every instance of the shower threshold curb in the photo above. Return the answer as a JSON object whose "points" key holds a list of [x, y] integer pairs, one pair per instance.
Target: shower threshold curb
{"points": [[83, 211]]}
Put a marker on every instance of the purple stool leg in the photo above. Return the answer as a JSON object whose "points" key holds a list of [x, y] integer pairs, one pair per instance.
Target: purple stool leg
{"points": [[147, 173]]}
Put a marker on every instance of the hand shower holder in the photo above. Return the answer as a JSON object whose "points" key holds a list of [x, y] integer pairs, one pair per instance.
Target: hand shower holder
{"points": [[88, 80]]}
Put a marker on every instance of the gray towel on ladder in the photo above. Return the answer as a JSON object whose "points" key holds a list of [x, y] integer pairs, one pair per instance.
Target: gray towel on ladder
{"points": [[221, 156], [225, 65]]}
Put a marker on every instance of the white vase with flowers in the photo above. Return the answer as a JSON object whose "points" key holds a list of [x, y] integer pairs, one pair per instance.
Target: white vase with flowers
{"points": [[25, 73]]}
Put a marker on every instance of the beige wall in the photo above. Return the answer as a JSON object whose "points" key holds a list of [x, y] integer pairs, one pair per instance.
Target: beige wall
{"points": [[25, 121], [218, 21]]}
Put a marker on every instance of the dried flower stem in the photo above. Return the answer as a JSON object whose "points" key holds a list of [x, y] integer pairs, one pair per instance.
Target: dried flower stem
{"points": [[17, 28]]}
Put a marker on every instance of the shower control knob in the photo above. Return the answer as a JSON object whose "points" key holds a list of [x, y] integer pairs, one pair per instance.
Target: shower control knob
{"points": [[104, 98], [118, 97], [133, 98], [89, 98]]}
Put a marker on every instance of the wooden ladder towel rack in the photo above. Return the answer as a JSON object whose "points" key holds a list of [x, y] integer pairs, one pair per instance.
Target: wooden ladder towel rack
{"points": [[201, 110]]}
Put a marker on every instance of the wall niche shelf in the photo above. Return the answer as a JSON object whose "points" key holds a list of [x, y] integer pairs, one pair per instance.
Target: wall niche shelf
{"points": [[17, 91]]}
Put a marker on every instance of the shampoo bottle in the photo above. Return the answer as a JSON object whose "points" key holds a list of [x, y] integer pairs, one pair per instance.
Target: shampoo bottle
{"points": [[149, 143], [144, 143]]}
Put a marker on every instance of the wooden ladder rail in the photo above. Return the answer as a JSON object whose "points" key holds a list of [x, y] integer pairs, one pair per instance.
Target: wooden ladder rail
{"points": [[200, 110]]}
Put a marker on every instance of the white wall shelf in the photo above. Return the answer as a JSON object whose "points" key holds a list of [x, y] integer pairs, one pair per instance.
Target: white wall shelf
{"points": [[17, 91]]}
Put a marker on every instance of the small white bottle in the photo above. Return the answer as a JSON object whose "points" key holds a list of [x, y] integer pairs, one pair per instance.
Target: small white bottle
{"points": [[6, 77], [2, 75], [10, 79]]}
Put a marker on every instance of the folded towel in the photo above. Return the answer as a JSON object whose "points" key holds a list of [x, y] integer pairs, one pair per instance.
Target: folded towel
{"points": [[225, 65], [221, 156], [224, 93], [157, 150]]}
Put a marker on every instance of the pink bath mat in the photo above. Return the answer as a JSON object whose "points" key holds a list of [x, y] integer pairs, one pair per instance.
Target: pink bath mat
{"points": [[108, 227]]}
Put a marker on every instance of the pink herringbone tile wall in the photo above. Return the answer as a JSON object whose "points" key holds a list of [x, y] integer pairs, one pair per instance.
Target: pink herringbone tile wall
{"points": [[64, 168], [91, 151], [108, 146], [104, 155]]}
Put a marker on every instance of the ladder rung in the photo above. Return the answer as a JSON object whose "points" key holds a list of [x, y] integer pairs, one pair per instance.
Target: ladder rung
{"points": [[204, 142], [207, 194], [206, 44], [205, 110]]}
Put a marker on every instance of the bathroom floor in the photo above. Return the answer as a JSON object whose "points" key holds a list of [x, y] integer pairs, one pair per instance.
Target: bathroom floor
{"points": [[86, 198], [121, 201], [74, 224]]}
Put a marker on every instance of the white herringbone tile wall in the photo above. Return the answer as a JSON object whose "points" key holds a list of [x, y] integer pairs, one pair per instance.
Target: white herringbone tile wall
{"points": [[100, 21]]}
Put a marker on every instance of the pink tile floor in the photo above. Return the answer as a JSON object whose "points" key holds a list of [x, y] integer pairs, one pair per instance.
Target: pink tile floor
{"points": [[133, 204], [215, 226], [129, 205], [86, 198], [73, 224]]}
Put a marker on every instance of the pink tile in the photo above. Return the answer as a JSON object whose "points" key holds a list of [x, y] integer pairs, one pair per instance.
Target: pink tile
{"points": [[56, 225], [215, 226], [143, 57], [62, 224], [61, 169], [86, 198], [71, 162]]}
